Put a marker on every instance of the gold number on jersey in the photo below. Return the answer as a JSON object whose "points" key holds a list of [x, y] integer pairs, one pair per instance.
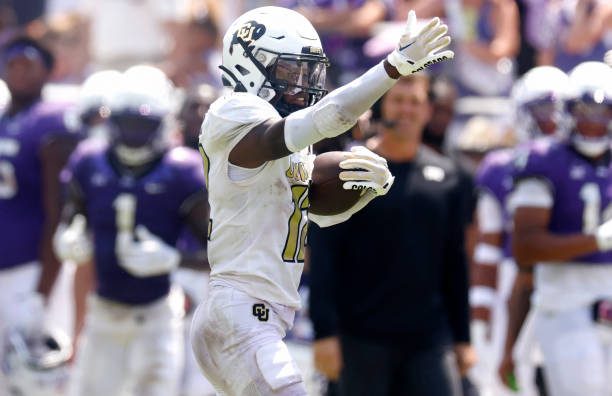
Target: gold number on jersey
{"points": [[8, 181], [298, 225]]}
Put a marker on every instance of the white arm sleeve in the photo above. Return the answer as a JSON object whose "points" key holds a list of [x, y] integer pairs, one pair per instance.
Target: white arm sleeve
{"points": [[490, 215], [485, 253], [337, 112], [327, 221], [533, 193]]}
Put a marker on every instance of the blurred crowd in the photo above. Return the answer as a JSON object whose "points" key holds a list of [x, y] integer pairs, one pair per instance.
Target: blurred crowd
{"points": [[477, 106]]}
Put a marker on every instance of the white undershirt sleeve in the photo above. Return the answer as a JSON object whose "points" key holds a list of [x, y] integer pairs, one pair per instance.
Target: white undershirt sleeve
{"points": [[490, 214], [531, 192]]}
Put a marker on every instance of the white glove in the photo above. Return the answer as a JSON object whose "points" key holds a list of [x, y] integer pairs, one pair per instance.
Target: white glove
{"points": [[418, 49], [72, 243], [149, 256], [365, 170], [603, 235]]}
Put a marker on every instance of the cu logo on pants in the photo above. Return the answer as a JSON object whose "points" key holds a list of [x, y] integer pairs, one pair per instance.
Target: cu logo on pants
{"points": [[261, 312]]}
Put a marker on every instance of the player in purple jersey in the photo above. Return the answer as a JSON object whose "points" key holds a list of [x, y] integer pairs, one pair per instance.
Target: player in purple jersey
{"points": [[539, 98], [34, 146], [562, 227], [129, 200]]}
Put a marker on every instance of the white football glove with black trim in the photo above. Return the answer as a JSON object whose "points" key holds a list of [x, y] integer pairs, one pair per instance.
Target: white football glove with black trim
{"points": [[365, 170], [72, 242], [418, 49], [149, 256]]}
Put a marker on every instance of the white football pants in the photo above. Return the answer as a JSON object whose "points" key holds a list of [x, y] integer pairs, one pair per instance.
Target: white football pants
{"points": [[195, 286], [130, 350], [577, 352], [238, 343], [16, 285]]}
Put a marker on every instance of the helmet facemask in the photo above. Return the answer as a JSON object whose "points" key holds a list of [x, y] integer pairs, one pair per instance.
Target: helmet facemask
{"points": [[592, 125], [137, 138], [539, 98], [546, 115], [290, 81], [590, 108], [295, 81]]}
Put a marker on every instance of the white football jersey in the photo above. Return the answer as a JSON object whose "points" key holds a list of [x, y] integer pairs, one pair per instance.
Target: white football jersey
{"points": [[562, 286], [257, 226]]}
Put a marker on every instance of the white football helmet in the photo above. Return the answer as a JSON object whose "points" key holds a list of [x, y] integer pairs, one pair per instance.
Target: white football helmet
{"points": [[590, 107], [36, 363], [95, 93], [539, 98], [146, 90], [276, 54], [140, 111]]}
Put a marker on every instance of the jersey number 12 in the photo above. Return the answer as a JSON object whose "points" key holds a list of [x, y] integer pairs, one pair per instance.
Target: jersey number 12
{"points": [[298, 225]]}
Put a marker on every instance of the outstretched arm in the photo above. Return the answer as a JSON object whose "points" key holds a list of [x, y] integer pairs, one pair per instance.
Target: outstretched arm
{"points": [[339, 111]]}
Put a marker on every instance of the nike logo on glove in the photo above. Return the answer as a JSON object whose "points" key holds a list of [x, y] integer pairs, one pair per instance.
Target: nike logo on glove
{"points": [[406, 46]]}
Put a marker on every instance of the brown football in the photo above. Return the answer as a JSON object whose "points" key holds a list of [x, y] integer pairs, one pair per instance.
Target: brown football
{"points": [[326, 195]]}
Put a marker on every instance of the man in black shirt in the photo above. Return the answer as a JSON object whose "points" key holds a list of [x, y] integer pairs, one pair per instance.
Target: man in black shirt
{"points": [[389, 286]]}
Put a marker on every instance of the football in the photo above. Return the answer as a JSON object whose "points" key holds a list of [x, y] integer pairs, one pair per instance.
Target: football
{"points": [[326, 195]]}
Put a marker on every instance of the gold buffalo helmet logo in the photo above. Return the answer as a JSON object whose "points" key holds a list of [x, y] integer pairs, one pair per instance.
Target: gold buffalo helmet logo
{"points": [[247, 33]]}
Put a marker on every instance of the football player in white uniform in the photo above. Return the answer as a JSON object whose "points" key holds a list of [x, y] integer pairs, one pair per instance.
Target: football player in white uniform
{"points": [[255, 145], [562, 227]]}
